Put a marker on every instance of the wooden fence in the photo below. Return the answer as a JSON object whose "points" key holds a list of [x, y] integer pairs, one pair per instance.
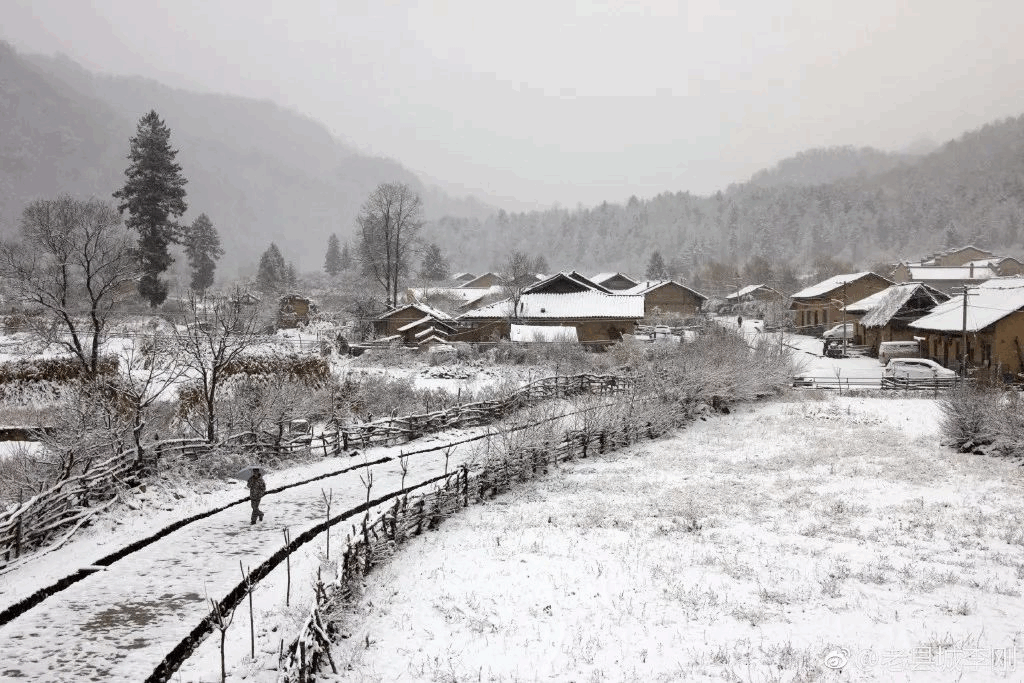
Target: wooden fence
{"points": [[89, 483], [372, 542]]}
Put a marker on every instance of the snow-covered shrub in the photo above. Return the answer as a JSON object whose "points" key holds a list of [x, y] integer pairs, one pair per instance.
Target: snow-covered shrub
{"points": [[60, 369], [306, 368], [982, 416]]}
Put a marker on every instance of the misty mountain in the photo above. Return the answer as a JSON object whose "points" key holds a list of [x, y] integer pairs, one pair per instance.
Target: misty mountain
{"points": [[261, 172], [827, 165], [882, 207]]}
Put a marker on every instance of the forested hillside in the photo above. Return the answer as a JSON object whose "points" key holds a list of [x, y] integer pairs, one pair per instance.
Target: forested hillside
{"points": [[882, 208], [261, 173]]}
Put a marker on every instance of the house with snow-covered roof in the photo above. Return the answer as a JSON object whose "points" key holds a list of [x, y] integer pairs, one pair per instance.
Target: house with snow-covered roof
{"points": [[886, 315], [759, 293], [483, 281], [821, 305], [403, 322], [614, 281], [994, 328], [566, 282], [666, 297], [597, 317]]}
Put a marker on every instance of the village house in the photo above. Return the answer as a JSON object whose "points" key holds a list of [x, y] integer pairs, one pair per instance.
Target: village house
{"points": [[944, 278], [483, 281], [957, 257], [958, 268], [598, 317], [886, 315], [453, 299], [994, 328], [565, 283], [821, 305], [460, 279], [614, 281], [402, 324], [762, 294], [294, 310], [668, 297]]}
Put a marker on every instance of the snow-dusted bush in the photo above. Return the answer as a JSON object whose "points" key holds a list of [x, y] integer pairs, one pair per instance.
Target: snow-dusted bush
{"points": [[306, 368], [60, 369], [983, 417]]}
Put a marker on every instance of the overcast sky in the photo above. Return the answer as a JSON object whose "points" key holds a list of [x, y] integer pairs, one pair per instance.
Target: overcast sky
{"points": [[546, 101]]}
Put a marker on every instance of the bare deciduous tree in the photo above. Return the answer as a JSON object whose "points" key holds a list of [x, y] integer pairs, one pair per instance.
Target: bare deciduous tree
{"points": [[150, 366], [516, 275], [388, 222], [213, 335], [74, 263]]}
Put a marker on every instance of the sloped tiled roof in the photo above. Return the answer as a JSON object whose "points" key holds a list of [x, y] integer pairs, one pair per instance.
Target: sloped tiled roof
{"points": [[571, 276], [831, 284], [750, 289], [651, 285], [473, 283], [422, 308], [881, 307], [601, 278], [987, 304], [589, 304], [926, 273]]}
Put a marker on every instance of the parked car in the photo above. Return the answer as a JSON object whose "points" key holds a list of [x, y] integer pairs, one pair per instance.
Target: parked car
{"points": [[916, 368], [840, 331], [898, 349]]}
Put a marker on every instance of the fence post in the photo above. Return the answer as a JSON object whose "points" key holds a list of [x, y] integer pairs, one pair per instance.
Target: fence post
{"points": [[465, 485], [17, 528], [369, 549]]}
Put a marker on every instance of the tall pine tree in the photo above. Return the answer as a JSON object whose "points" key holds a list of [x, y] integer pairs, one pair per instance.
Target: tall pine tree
{"points": [[272, 274], [346, 257], [202, 247], [332, 262], [435, 265], [153, 195], [656, 267]]}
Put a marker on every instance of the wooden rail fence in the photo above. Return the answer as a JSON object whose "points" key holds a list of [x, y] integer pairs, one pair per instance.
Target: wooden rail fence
{"points": [[372, 542], [90, 482]]}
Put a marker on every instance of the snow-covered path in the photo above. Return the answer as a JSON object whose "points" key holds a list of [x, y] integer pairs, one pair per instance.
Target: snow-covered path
{"points": [[118, 624]]}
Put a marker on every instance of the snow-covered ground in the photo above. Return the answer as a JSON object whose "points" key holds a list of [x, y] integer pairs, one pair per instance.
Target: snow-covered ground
{"points": [[118, 623], [829, 539], [855, 371]]}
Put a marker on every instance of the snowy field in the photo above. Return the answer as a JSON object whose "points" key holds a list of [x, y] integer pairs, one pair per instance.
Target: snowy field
{"points": [[809, 539]]}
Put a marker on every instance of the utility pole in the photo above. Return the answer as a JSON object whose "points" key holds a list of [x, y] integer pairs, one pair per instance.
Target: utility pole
{"points": [[844, 318], [963, 330], [963, 340]]}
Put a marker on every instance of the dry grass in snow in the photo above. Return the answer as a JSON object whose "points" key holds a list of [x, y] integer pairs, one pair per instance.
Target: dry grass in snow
{"points": [[807, 540]]}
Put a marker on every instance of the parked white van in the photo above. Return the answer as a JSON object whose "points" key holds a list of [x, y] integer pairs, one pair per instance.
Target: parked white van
{"points": [[898, 349]]}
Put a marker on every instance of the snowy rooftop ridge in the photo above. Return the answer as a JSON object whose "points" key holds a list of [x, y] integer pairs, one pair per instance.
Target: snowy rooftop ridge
{"points": [[650, 285], [889, 302], [951, 273], [744, 291], [589, 304], [987, 304], [831, 284]]}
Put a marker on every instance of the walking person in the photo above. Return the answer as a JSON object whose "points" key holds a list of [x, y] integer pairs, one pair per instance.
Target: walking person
{"points": [[257, 487], [739, 321]]}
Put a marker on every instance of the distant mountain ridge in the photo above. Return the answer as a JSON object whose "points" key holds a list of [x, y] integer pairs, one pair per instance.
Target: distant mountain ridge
{"points": [[821, 166], [261, 172], [860, 206]]}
